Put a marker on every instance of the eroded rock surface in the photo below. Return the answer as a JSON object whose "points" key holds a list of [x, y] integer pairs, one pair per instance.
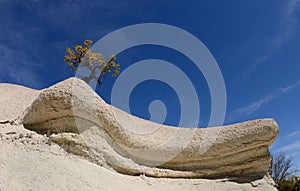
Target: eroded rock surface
{"points": [[82, 149], [76, 118]]}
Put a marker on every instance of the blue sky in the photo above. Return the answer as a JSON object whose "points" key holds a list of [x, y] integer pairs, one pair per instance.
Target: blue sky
{"points": [[256, 44]]}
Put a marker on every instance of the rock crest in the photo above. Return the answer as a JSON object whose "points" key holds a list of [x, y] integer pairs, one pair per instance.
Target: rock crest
{"points": [[55, 139], [74, 110]]}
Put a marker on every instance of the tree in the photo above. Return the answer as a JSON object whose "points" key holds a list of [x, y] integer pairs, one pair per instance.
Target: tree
{"points": [[281, 167], [81, 57]]}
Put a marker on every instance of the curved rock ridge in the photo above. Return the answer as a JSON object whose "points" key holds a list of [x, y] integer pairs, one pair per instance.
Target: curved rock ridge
{"points": [[77, 119]]}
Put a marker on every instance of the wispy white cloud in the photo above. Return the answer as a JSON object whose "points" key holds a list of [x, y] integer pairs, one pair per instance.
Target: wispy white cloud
{"points": [[293, 134], [26, 45], [19, 56], [247, 110], [17, 67], [255, 106], [288, 23], [35, 37], [285, 33], [290, 87], [289, 147]]}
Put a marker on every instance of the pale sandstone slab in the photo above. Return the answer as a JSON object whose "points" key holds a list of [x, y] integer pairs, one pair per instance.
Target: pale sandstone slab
{"points": [[112, 138], [29, 161]]}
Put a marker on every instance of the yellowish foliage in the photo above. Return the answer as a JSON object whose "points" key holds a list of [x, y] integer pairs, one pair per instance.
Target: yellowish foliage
{"points": [[82, 56]]}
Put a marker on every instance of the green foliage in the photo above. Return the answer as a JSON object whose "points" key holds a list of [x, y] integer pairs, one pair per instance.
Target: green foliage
{"points": [[288, 185], [82, 57]]}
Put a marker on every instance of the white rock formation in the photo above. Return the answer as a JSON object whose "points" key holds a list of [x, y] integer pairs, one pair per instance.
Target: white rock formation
{"points": [[73, 140]]}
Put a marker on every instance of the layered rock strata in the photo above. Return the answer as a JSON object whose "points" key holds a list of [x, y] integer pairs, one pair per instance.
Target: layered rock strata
{"points": [[77, 119]]}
